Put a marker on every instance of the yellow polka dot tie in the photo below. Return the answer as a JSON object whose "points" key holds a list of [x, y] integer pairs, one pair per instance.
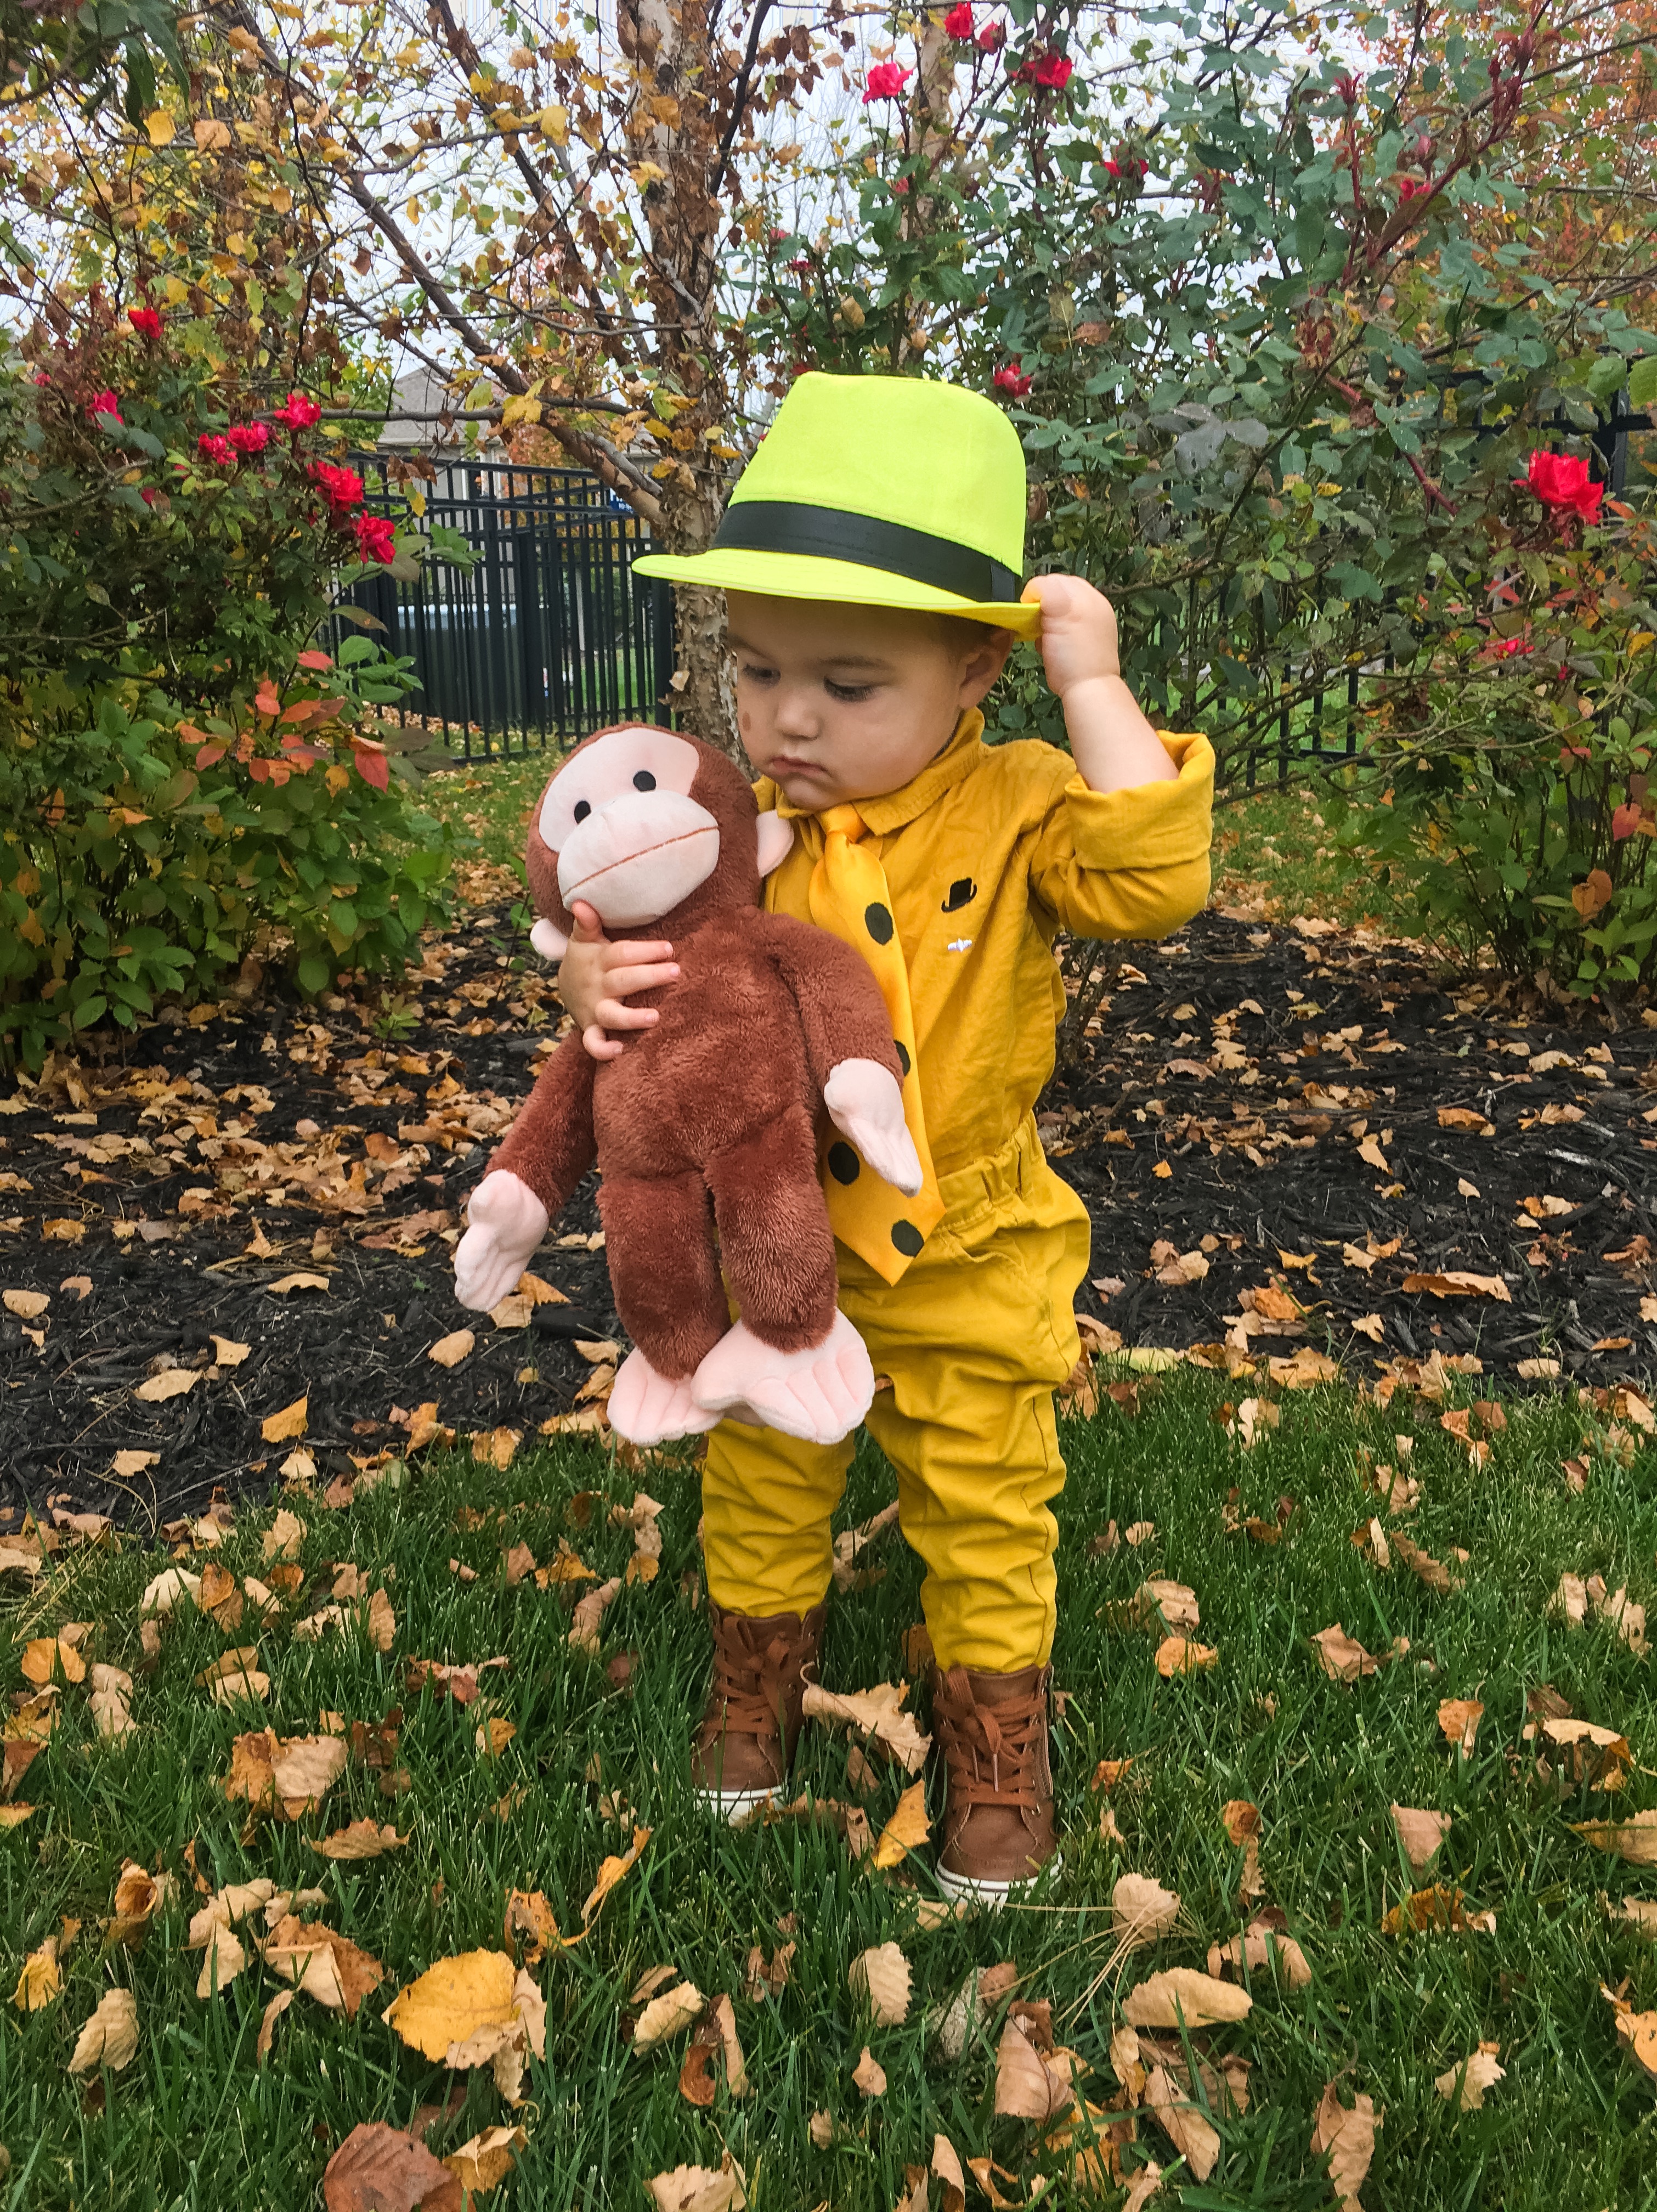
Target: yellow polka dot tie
{"points": [[849, 897]]}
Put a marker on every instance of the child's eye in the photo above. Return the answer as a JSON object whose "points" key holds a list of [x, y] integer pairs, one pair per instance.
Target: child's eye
{"points": [[753, 674], [849, 691]]}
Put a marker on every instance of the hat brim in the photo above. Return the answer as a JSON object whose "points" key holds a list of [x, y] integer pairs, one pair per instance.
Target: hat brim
{"points": [[810, 576]]}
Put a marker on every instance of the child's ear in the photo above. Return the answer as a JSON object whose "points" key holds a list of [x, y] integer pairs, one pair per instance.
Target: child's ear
{"points": [[776, 839], [548, 940]]}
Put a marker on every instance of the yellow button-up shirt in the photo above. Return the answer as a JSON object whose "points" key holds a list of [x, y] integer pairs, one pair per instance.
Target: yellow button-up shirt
{"points": [[989, 852]]}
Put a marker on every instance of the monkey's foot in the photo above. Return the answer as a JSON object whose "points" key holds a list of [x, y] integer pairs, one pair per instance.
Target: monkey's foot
{"points": [[507, 1221], [819, 1395], [646, 1409]]}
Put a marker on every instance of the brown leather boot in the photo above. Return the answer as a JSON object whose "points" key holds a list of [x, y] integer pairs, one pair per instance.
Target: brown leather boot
{"points": [[752, 1719], [998, 1830]]}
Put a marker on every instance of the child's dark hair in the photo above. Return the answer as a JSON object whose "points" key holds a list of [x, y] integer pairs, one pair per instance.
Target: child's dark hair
{"points": [[960, 634]]}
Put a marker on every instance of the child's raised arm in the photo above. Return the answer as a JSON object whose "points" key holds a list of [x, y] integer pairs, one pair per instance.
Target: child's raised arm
{"points": [[1113, 744]]}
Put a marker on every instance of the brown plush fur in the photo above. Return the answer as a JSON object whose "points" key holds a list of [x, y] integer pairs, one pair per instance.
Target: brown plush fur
{"points": [[711, 1119]]}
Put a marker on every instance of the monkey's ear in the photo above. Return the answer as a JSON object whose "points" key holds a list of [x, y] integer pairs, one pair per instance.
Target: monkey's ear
{"points": [[548, 940], [776, 841]]}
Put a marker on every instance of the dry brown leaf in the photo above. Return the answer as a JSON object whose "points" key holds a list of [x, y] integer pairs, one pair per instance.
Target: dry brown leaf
{"points": [[700, 2189], [882, 1974], [588, 1617], [1180, 1654], [41, 1982], [665, 2016], [110, 1704], [46, 1657], [612, 1871], [1341, 1656], [449, 1351], [110, 2038], [1434, 1572], [302, 1280], [1634, 1840], [361, 1839], [878, 1713], [272, 2013], [282, 1427], [496, 1448], [492, 1736], [1180, 1993], [485, 2161], [1458, 1718], [1141, 1911], [1456, 1282], [171, 1383], [908, 1829], [380, 2169], [1463, 2086], [946, 2170], [1439, 1909], [724, 2016], [1421, 1834], [1570, 1602], [282, 1539], [1143, 2187], [1349, 2140], [869, 2075], [28, 1305], [322, 1964], [1261, 1948], [1026, 2086], [529, 1914], [1190, 2131]]}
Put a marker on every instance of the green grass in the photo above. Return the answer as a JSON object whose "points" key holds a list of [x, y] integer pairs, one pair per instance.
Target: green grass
{"points": [[193, 2123], [1273, 850]]}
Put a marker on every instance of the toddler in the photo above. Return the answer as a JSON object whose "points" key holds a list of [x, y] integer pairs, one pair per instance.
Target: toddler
{"points": [[870, 556]]}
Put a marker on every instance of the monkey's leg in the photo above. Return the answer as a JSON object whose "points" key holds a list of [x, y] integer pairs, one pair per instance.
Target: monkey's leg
{"points": [[792, 1361], [659, 1238]]}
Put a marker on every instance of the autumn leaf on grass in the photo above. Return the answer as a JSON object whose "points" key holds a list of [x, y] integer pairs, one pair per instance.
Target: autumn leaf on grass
{"points": [[610, 1872], [878, 1713], [139, 1896], [1585, 1752], [296, 1772], [110, 2038], [380, 2169], [1026, 2085], [1141, 1911], [1347, 2139], [588, 1617], [1341, 1656], [235, 1676], [1180, 1654], [1435, 1573], [1421, 1833], [881, 1975], [1634, 1840], [1458, 1718], [361, 1839], [474, 2010], [1186, 2127], [906, 1830], [487, 2160], [1261, 1946], [110, 1704], [851, 1543], [700, 2188], [666, 2014], [322, 1964], [41, 1981], [1181, 1994], [1463, 2086], [46, 1657], [1440, 1910], [869, 2075]]}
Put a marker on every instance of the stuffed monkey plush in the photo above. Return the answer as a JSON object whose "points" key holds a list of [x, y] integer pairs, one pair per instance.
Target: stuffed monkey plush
{"points": [[708, 1119]]}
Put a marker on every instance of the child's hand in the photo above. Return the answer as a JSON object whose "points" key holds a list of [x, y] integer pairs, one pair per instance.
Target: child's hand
{"points": [[595, 977], [1078, 631]]}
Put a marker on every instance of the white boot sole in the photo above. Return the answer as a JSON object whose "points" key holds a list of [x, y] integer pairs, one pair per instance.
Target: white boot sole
{"points": [[991, 1894], [735, 1805]]}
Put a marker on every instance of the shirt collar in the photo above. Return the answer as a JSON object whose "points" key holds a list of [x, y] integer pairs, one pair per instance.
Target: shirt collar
{"points": [[893, 809]]}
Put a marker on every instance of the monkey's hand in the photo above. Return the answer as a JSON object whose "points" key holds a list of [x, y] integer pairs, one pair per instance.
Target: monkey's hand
{"points": [[865, 1104], [507, 1222]]}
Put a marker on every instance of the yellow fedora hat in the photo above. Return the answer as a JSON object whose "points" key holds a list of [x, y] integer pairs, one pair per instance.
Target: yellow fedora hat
{"points": [[877, 491]]}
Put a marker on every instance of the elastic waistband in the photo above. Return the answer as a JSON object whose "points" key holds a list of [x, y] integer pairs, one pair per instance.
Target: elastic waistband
{"points": [[1000, 1175]]}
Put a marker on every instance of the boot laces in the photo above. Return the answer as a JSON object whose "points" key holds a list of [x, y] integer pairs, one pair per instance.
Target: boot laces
{"points": [[992, 1752], [748, 1685]]}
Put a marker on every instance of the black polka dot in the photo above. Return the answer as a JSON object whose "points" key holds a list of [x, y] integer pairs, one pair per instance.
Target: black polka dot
{"points": [[581, 808], [877, 921], [908, 1238], [843, 1162], [903, 1054], [643, 780]]}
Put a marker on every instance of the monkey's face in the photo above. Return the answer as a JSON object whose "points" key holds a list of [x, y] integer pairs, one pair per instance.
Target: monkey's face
{"points": [[630, 839]]}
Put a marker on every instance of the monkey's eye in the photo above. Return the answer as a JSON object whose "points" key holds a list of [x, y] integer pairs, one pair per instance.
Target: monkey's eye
{"points": [[643, 780], [581, 808]]}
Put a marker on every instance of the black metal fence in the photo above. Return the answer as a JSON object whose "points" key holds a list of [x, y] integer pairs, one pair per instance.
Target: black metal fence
{"points": [[549, 634]]}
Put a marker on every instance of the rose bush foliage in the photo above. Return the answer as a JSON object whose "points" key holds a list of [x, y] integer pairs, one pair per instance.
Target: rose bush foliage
{"points": [[187, 779]]}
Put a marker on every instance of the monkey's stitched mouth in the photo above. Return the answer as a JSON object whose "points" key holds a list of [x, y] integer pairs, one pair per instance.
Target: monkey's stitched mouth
{"points": [[666, 845]]}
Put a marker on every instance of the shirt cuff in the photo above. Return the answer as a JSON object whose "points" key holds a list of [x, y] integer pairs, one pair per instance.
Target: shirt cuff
{"points": [[1148, 825]]}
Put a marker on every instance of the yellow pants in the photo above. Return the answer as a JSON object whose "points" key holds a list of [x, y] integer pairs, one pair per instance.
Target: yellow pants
{"points": [[975, 1337]]}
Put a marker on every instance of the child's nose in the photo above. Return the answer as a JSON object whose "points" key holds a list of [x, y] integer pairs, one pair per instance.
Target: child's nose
{"points": [[796, 713]]}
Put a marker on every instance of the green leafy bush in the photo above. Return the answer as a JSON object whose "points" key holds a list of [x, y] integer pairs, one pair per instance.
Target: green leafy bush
{"points": [[185, 779]]}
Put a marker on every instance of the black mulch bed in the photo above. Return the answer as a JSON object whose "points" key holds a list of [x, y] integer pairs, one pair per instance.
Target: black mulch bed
{"points": [[1254, 1062]]}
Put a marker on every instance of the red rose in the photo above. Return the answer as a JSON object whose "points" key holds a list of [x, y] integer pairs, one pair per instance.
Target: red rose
{"points": [[104, 403], [376, 536], [214, 448], [342, 488], [886, 82], [1012, 380], [1561, 481], [299, 414], [958, 23], [1054, 71], [146, 321], [993, 38], [250, 437]]}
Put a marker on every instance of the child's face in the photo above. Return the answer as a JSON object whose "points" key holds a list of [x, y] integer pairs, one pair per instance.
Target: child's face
{"points": [[838, 702]]}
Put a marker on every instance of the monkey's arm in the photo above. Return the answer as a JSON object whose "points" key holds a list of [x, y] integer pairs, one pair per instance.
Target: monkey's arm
{"points": [[848, 1043], [530, 1178]]}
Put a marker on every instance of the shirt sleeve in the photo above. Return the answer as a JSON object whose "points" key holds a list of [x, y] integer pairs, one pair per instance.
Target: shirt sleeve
{"points": [[1129, 863]]}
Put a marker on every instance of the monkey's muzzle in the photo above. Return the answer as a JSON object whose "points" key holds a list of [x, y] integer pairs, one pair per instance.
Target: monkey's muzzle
{"points": [[635, 859]]}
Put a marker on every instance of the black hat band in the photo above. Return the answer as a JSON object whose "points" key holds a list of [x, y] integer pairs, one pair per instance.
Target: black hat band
{"points": [[782, 526]]}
